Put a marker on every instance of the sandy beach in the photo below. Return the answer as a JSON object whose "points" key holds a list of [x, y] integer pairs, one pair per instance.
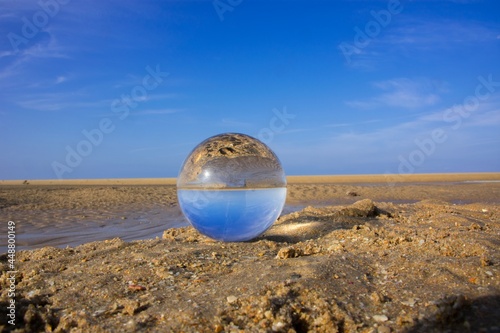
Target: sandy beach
{"points": [[368, 253]]}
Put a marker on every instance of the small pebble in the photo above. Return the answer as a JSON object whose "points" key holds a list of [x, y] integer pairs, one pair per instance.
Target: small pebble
{"points": [[485, 261], [232, 299], [136, 287], [380, 318], [277, 326], [410, 302], [131, 325], [288, 252], [377, 297]]}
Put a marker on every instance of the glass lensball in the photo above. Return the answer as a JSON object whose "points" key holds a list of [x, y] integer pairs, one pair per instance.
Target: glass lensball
{"points": [[231, 187]]}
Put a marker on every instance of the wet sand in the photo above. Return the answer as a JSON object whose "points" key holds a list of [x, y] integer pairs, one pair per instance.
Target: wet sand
{"points": [[349, 254]]}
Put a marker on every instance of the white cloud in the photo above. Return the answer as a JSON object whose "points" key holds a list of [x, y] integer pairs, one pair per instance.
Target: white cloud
{"points": [[489, 118], [61, 79], [402, 93], [336, 125], [49, 48], [156, 111], [235, 123], [42, 104], [5, 53], [424, 33], [407, 99], [138, 150], [156, 97], [61, 101], [380, 146], [410, 37]]}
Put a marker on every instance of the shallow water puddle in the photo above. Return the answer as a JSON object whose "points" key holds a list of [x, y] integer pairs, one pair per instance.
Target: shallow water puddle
{"points": [[76, 230]]}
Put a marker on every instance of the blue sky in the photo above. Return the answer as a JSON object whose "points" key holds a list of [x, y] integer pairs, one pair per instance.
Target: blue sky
{"points": [[101, 89]]}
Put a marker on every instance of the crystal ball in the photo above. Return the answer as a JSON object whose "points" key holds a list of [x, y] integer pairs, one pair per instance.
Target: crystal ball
{"points": [[231, 187]]}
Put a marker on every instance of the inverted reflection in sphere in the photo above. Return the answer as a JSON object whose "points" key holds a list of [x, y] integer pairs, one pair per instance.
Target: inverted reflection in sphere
{"points": [[231, 187]]}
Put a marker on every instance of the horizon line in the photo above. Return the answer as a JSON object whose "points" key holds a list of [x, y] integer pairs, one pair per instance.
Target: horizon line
{"points": [[291, 179]]}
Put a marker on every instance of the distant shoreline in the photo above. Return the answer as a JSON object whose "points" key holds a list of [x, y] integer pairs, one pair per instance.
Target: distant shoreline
{"points": [[315, 179]]}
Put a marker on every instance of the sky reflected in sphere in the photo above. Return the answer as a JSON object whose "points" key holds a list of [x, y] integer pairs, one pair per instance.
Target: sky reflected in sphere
{"points": [[232, 215]]}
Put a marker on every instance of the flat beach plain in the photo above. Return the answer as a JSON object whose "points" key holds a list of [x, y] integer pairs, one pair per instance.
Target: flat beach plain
{"points": [[367, 253]]}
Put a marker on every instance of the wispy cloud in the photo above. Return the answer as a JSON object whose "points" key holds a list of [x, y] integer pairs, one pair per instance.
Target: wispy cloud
{"points": [[138, 150], [489, 118], [59, 101], [61, 79], [155, 112], [6, 53], [48, 48], [427, 34], [380, 146], [406, 94], [162, 96], [411, 37], [5, 16], [337, 125], [43, 104], [402, 93], [235, 122]]}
